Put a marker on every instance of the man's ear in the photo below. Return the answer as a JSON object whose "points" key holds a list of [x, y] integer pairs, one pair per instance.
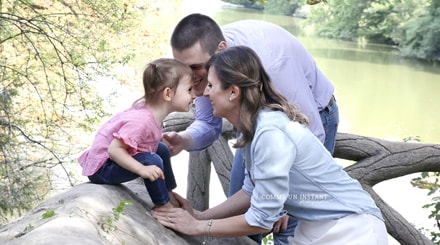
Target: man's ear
{"points": [[167, 94], [221, 46]]}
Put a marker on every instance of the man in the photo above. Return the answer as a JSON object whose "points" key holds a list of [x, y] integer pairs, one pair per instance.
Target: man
{"points": [[291, 68]]}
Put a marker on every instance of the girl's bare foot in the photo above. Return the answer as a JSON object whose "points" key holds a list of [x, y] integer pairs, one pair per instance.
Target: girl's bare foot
{"points": [[173, 200], [166, 205]]}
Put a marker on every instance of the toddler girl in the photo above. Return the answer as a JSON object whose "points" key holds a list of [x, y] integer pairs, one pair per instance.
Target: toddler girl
{"points": [[128, 145]]}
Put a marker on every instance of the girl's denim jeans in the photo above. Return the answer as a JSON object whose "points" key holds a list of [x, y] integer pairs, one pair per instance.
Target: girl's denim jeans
{"points": [[112, 174]]}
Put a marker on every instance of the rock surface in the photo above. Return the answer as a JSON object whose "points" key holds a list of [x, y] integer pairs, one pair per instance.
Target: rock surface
{"points": [[84, 215]]}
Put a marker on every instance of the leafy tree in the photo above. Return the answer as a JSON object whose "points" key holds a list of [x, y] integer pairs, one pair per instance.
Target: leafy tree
{"points": [[338, 19], [412, 25], [281, 7], [421, 33], [430, 182], [284, 7], [378, 22], [51, 55], [253, 4]]}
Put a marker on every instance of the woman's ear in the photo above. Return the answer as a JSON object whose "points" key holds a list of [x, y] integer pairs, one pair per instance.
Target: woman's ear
{"points": [[235, 93], [167, 94]]}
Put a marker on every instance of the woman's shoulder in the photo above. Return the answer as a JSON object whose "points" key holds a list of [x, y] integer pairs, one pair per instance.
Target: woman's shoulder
{"points": [[267, 116], [277, 120]]}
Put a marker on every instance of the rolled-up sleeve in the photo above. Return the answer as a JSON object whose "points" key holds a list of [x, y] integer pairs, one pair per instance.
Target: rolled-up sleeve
{"points": [[206, 128], [268, 179]]}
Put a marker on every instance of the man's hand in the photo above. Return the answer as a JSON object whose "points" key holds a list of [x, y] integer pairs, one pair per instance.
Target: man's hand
{"points": [[281, 224], [174, 141]]}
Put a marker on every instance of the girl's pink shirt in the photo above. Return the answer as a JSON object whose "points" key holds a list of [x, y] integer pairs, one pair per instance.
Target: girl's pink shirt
{"points": [[136, 127]]}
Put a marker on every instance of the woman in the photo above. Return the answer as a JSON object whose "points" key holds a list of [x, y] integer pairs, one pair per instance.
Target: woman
{"points": [[288, 170]]}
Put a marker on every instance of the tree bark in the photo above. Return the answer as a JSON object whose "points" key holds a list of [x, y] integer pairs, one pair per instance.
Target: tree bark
{"points": [[199, 174], [378, 160]]}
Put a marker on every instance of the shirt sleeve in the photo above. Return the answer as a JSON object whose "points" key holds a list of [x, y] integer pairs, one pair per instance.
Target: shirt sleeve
{"points": [[297, 91], [139, 136], [206, 128], [273, 155]]}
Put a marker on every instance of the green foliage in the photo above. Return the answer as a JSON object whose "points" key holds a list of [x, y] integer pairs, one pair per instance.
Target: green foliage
{"points": [[120, 208], [268, 240], [28, 228], [338, 19], [412, 139], [108, 222], [412, 25], [430, 182], [51, 55], [421, 34], [280, 7], [283, 7], [378, 22], [48, 214]]}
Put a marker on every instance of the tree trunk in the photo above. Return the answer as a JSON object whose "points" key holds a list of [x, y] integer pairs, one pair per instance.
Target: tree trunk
{"points": [[199, 174]]}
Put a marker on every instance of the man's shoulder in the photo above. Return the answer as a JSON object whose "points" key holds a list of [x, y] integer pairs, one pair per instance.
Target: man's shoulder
{"points": [[253, 33], [251, 23]]}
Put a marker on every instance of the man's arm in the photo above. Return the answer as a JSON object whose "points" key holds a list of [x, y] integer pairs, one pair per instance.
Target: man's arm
{"points": [[200, 134]]}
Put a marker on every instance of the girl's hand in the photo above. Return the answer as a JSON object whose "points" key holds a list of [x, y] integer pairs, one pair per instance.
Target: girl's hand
{"points": [[151, 172], [118, 152]]}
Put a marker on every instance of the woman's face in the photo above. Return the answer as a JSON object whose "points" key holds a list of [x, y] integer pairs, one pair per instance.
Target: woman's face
{"points": [[220, 99]]}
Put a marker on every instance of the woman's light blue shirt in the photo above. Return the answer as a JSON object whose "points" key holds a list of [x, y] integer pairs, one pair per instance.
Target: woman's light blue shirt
{"points": [[289, 170]]}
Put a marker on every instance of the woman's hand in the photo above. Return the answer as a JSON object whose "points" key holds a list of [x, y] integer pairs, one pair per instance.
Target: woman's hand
{"points": [[177, 219]]}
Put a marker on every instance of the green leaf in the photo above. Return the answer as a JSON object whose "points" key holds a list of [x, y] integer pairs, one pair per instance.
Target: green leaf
{"points": [[48, 214]]}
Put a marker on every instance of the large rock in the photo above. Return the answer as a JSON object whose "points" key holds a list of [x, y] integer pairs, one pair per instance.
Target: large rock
{"points": [[84, 215]]}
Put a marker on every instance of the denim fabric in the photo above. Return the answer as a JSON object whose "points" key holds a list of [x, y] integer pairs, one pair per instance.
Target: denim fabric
{"points": [[330, 121], [236, 183], [112, 174], [280, 238], [237, 173], [237, 178]]}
